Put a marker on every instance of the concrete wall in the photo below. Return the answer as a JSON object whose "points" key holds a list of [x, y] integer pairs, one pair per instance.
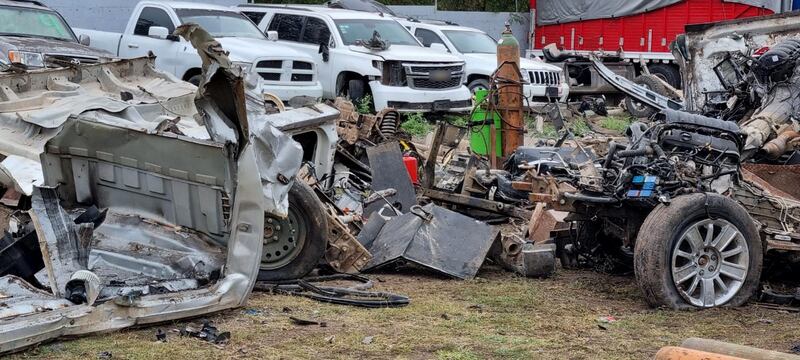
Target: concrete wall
{"points": [[112, 15]]}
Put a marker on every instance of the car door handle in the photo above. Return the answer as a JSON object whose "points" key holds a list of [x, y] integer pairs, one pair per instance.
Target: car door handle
{"points": [[133, 46]]}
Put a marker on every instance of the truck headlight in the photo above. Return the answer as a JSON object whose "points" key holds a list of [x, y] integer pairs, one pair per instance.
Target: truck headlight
{"points": [[378, 65], [525, 75], [31, 59], [245, 66]]}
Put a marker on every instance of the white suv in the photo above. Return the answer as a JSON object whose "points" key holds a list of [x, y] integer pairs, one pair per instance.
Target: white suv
{"points": [[543, 82], [351, 61]]}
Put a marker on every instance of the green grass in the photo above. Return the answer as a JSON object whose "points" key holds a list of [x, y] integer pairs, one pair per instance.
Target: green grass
{"points": [[578, 126], [616, 123], [498, 315], [416, 125]]}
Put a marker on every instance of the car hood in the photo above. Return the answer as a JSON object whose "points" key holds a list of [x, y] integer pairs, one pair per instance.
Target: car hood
{"points": [[248, 49], [53, 46], [408, 53], [490, 61]]}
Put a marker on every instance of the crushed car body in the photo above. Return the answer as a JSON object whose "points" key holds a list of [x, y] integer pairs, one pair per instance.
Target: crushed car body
{"points": [[183, 179]]}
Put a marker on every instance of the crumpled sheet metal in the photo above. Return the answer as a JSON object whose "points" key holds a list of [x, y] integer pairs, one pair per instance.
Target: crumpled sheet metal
{"points": [[244, 237], [434, 237], [21, 174]]}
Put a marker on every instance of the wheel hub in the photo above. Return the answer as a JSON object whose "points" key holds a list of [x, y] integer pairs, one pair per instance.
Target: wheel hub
{"points": [[709, 262], [283, 240]]}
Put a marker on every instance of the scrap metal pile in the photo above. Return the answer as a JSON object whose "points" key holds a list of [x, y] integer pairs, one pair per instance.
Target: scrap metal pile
{"points": [[702, 193]]}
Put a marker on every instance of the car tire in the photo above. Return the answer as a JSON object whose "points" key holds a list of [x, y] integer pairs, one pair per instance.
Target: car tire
{"points": [[638, 109], [678, 264], [195, 80], [356, 90], [667, 72], [478, 84], [301, 238]]}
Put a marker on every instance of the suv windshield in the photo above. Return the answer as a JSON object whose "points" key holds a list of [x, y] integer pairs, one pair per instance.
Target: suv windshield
{"points": [[362, 29], [19, 21], [471, 42], [221, 23]]}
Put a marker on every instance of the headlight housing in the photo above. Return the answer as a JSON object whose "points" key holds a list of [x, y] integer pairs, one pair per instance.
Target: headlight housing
{"points": [[31, 59], [525, 75], [246, 66]]}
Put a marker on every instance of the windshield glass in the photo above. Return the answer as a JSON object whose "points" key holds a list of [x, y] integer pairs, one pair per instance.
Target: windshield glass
{"points": [[471, 42], [221, 23], [362, 29], [18, 21]]}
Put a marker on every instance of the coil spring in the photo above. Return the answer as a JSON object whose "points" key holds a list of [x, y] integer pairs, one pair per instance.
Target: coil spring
{"points": [[389, 123]]}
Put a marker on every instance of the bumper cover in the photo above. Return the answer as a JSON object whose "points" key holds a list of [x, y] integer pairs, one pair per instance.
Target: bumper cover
{"points": [[405, 99]]}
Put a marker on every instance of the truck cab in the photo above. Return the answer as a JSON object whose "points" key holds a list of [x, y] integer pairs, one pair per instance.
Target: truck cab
{"points": [[478, 50], [269, 66], [360, 54]]}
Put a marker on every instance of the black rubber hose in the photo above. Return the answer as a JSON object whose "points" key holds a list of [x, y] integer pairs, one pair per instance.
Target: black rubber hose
{"points": [[353, 296], [612, 150]]}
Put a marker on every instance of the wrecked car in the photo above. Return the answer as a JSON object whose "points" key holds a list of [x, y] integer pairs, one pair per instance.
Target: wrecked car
{"points": [[35, 36], [148, 197]]}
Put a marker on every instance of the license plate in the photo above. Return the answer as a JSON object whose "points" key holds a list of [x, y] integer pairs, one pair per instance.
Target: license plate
{"points": [[440, 75], [441, 105], [551, 91]]}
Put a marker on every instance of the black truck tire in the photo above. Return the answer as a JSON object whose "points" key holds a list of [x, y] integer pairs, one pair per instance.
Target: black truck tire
{"points": [[295, 245], [667, 72], [356, 90], [478, 84], [637, 108], [680, 266]]}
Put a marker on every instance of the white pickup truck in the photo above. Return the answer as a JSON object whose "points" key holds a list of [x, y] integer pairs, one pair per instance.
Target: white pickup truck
{"points": [[543, 82], [360, 53], [272, 67]]}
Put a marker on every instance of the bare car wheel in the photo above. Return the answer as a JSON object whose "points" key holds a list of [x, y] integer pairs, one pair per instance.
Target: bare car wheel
{"points": [[294, 246], [700, 251]]}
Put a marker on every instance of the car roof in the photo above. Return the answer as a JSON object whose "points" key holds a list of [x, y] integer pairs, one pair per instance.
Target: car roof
{"points": [[25, 3], [186, 5], [437, 24], [321, 10]]}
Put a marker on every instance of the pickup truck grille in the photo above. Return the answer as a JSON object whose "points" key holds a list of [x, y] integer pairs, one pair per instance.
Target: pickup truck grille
{"points": [[286, 71], [434, 76], [547, 78]]}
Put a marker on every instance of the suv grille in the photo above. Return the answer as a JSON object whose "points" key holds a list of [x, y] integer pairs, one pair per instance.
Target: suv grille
{"points": [[56, 60], [286, 71], [548, 78], [434, 76]]}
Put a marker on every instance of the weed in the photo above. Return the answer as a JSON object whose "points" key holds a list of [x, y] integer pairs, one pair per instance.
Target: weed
{"points": [[364, 106], [618, 124], [416, 125]]}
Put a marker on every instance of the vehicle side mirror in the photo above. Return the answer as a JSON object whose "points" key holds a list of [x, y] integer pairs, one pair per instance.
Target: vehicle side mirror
{"points": [[158, 32], [272, 35], [84, 39], [323, 49], [439, 47]]}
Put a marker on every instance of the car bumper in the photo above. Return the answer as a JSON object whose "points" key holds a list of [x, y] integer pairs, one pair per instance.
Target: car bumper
{"points": [[286, 92], [405, 99], [537, 94]]}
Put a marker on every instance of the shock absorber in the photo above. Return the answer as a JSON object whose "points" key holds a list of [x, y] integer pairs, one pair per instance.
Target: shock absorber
{"points": [[389, 122]]}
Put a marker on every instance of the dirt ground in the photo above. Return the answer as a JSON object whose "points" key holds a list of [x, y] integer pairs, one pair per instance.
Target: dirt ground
{"points": [[495, 316]]}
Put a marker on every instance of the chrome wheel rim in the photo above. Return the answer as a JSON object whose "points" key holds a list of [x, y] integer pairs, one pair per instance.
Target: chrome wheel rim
{"points": [[710, 262]]}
